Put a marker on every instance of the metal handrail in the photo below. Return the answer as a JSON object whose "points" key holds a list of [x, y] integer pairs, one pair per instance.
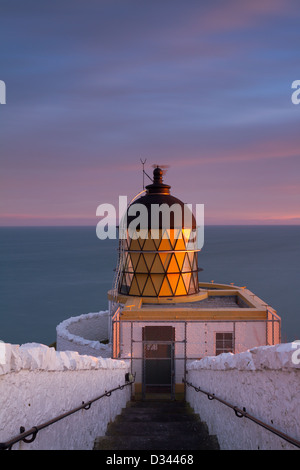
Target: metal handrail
{"points": [[120, 261], [240, 413], [30, 435]]}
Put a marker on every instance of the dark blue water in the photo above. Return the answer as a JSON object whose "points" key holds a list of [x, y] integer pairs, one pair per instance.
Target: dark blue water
{"points": [[50, 274]]}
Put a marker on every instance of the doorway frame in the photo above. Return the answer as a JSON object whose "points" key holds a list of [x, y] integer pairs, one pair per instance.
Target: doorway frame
{"points": [[171, 384]]}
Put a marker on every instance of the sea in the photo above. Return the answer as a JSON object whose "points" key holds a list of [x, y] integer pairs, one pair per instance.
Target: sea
{"points": [[48, 274]]}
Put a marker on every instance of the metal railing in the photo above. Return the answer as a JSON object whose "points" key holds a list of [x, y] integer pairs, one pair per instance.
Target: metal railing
{"points": [[240, 413], [30, 435], [120, 260]]}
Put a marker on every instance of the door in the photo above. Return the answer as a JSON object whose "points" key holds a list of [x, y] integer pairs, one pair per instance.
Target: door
{"points": [[158, 360]]}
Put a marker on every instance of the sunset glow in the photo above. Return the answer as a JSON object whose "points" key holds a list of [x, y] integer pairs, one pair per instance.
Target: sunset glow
{"points": [[203, 88]]}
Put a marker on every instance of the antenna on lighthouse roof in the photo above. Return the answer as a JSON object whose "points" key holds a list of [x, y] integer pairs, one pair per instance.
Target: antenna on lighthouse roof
{"points": [[144, 173], [143, 163]]}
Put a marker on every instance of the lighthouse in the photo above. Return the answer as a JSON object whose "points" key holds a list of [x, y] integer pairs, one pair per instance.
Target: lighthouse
{"points": [[161, 314]]}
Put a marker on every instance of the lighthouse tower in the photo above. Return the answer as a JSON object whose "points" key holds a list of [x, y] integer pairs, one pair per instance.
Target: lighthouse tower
{"points": [[161, 314]]}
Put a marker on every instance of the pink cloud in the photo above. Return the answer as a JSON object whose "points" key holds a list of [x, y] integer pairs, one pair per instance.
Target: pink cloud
{"points": [[15, 219], [236, 14], [240, 218], [258, 150]]}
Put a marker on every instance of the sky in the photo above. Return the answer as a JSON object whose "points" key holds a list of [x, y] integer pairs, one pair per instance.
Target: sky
{"points": [[202, 87]]}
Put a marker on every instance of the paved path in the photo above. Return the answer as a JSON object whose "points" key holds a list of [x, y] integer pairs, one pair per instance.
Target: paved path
{"points": [[157, 425]]}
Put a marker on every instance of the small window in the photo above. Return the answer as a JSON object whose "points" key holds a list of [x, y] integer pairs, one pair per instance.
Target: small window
{"points": [[224, 343]]}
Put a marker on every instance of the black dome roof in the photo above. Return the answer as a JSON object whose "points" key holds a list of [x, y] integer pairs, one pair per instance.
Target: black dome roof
{"points": [[158, 193]]}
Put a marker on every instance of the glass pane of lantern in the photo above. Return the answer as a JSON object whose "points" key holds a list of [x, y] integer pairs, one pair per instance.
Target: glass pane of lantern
{"points": [[134, 245], [149, 257], [180, 290], [165, 259], [173, 280], [165, 288], [173, 266], [165, 245], [129, 277], [186, 234], [186, 265], [186, 279], [180, 258], [141, 280], [134, 290], [134, 259], [180, 244], [149, 245], [157, 266], [149, 289], [141, 266], [157, 280], [129, 266], [156, 237]]}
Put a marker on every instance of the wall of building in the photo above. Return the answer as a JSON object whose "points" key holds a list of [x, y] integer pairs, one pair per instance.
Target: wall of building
{"points": [[38, 383], [84, 334], [264, 380], [200, 336]]}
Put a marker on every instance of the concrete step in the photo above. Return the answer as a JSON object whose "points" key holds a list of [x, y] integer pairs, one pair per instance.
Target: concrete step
{"points": [[158, 412], [154, 443], [174, 428], [157, 425]]}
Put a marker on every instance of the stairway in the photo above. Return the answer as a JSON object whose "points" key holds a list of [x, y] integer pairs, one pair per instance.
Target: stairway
{"points": [[157, 425]]}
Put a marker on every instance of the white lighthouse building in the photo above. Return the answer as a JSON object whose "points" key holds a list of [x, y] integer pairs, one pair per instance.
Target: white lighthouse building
{"points": [[161, 314], [175, 333]]}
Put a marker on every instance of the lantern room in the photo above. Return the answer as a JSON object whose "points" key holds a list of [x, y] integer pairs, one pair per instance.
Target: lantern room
{"points": [[159, 256]]}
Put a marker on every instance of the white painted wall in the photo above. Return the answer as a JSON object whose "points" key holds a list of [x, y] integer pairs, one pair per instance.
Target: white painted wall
{"points": [[38, 383], [84, 333], [264, 380], [200, 337]]}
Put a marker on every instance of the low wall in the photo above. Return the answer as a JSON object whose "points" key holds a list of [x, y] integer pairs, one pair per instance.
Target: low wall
{"points": [[84, 333], [264, 380], [38, 383]]}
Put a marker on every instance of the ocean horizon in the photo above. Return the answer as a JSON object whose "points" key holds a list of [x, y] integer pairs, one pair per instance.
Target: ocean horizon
{"points": [[51, 273]]}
